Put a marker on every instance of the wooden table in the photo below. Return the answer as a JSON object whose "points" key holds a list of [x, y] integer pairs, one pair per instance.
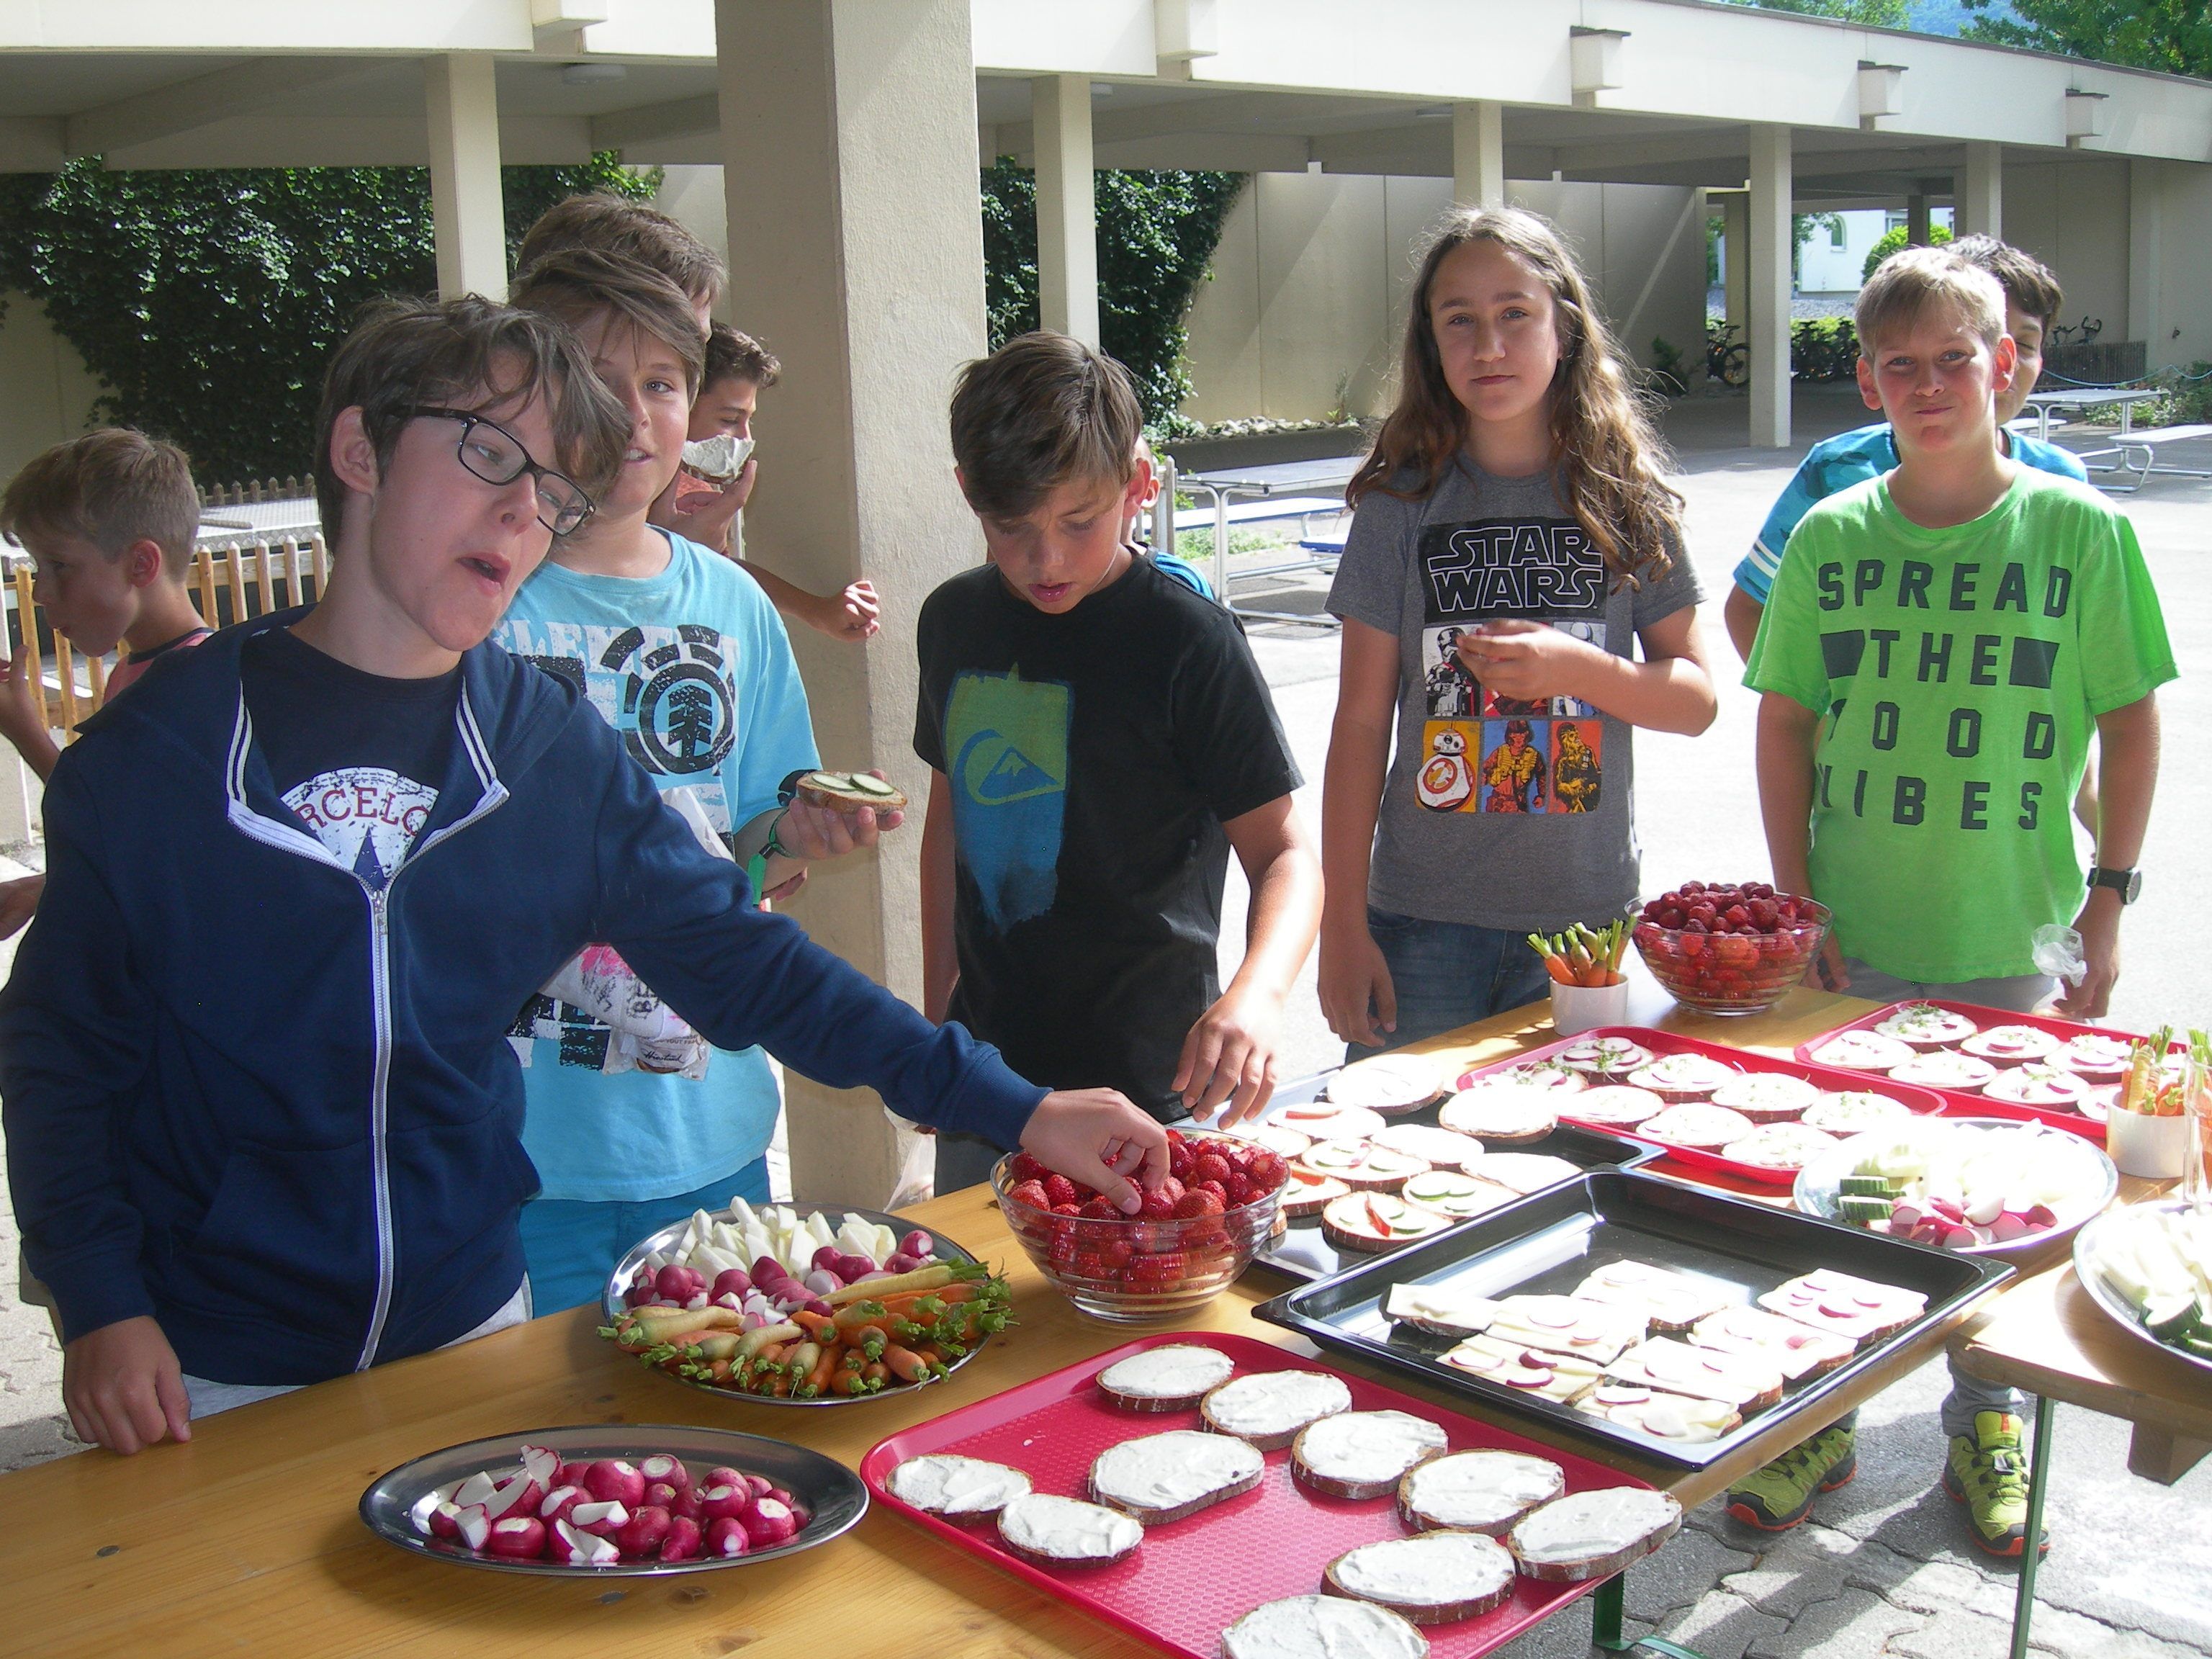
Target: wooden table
{"points": [[246, 1539], [2044, 1334]]}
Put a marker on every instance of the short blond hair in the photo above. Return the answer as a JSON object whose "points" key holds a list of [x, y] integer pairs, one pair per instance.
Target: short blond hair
{"points": [[1905, 285], [113, 487]]}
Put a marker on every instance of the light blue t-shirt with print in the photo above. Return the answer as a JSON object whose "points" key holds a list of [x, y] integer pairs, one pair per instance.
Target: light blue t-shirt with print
{"points": [[693, 667], [1834, 464]]}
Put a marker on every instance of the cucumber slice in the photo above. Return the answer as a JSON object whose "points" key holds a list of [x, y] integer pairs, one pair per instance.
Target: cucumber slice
{"points": [[1870, 1186], [2172, 1318], [1863, 1208], [861, 784]]}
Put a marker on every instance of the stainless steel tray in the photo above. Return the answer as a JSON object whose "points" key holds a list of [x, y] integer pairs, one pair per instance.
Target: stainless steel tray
{"points": [[2109, 1301], [1547, 1242], [1302, 1250], [832, 1496], [610, 1300]]}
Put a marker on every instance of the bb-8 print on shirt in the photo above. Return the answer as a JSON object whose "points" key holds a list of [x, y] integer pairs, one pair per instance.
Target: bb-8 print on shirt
{"points": [[1445, 782]]}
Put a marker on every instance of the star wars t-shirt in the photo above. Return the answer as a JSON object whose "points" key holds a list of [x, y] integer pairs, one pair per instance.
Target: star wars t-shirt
{"points": [[356, 756], [1497, 811], [1959, 673], [1092, 759], [694, 669]]}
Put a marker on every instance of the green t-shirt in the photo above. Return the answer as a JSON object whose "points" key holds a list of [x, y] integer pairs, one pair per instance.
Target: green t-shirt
{"points": [[1958, 674]]}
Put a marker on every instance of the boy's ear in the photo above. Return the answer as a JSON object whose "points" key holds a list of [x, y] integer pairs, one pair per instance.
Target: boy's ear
{"points": [[1866, 391], [1144, 488], [352, 453], [2005, 364], [142, 562]]}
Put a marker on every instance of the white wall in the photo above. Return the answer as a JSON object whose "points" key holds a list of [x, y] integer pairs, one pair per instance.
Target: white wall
{"points": [[45, 391], [1305, 308], [2075, 219]]}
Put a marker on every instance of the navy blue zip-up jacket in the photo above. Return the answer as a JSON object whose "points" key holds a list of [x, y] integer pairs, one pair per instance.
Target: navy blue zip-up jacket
{"points": [[276, 1111]]}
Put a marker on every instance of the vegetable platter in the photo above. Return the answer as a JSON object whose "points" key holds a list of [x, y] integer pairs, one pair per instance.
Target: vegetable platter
{"points": [[2148, 1267], [801, 1304]]}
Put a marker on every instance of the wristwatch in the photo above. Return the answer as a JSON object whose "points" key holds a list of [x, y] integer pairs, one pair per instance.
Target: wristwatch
{"points": [[2128, 884]]}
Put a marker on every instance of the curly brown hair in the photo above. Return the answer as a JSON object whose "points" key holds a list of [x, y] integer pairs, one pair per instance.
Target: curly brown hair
{"points": [[1608, 455]]}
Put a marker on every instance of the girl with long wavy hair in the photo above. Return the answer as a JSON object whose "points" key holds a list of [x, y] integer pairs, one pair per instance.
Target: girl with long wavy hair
{"points": [[1514, 499]]}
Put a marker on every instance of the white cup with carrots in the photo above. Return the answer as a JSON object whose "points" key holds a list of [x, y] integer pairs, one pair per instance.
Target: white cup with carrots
{"points": [[1588, 988]]}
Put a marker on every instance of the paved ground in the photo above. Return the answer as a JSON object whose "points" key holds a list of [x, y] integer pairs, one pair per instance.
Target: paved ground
{"points": [[1884, 1568]]}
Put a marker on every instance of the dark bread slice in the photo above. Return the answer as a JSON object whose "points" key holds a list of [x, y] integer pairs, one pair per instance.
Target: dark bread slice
{"points": [[1122, 1533], [1514, 1482], [1655, 1517], [1474, 1574], [1313, 1400], [1397, 1442], [1301, 1199], [1137, 1397], [841, 792], [1235, 1468]]}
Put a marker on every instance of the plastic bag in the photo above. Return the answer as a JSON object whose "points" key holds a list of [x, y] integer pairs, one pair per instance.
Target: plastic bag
{"points": [[2058, 952]]}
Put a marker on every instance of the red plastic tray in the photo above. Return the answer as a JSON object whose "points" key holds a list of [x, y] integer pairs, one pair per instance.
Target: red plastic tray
{"points": [[1926, 1102], [1191, 1580], [1965, 1102]]}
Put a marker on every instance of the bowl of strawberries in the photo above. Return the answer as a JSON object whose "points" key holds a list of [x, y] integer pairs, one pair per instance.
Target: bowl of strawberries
{"points": [[1197, 1231], [1729, 947]]}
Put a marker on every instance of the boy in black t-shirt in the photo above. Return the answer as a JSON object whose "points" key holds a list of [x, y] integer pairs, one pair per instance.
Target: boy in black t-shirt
{"points": [[1099, 737]]}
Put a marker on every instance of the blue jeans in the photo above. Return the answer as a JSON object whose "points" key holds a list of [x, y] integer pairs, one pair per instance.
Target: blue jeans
{"points": [[1450, 974], [570, 1246]]}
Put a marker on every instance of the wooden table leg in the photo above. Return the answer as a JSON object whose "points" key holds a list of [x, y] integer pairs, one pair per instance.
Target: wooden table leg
{"points": [[2031, 1556], [2155, 1455]]}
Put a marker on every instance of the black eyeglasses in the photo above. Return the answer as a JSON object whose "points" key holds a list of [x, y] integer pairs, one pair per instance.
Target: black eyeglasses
{"points": [[493, 454]]}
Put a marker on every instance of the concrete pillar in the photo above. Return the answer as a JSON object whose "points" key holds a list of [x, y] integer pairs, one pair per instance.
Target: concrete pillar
{"points": [[1916, 221], [468, 215], [1735, 258], [1067, 208], [1979, 202], [1479, 155], [1769, 245], [2147, 318], [856, 245]]}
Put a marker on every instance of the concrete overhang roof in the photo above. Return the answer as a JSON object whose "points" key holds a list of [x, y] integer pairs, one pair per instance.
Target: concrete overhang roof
{"points": [[1357, 85]]}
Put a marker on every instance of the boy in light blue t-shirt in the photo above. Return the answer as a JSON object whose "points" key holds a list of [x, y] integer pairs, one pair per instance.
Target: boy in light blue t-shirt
{"points": [[632, 1119]]}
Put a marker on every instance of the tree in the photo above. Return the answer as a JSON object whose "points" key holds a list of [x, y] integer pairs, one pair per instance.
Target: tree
{"points": [[1157, 233], [1874, 14], [2172, 35], [207, 301], [1891, 240]]}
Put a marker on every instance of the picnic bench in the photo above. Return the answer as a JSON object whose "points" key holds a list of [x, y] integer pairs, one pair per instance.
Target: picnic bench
{"points": [[2135, 454]]}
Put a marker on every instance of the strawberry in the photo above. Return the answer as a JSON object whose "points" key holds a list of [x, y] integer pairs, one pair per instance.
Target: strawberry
{"points": [[1216, 1188], [1163, 1269], [1193, 1204], [1067, 1209], [1115, 1252], [1239, 1188], [1060, 1190], [1158, 1206], [1022, 1167], [1032, 1193], [1267, 1169], [1101, 1209], [1172, 1187], [1211, 1166]]}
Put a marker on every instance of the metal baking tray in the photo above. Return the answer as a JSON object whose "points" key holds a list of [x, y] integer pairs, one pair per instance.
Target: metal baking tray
{"points": [[1302, 1250], [1546, 1243]]}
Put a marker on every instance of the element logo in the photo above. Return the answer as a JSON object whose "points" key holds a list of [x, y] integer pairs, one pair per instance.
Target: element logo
{"points": [[681, 697]]}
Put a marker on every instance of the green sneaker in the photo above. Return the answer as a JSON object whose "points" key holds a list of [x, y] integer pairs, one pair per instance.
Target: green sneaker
{"points": [[1989, 1474], [1779, 1496]]}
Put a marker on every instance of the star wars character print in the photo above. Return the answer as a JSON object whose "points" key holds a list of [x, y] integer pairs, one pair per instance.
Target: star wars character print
{"points": [[1484, 751]]}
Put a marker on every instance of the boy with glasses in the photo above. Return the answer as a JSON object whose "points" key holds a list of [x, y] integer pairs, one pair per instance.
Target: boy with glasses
{"points": [[263, 1128]]}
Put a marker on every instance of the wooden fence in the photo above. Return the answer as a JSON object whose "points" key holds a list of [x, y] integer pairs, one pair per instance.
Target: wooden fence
{"points": [[228, 585]]}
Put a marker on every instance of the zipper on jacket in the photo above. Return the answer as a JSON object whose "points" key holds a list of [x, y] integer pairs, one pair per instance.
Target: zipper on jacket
{"points": [[380, 974]]}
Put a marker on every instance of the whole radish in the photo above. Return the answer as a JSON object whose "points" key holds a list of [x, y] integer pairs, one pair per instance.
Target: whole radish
{"points": [[731, 1281], [820, 1306], [639, 1294], [827, 1260], [762, 1486], [726, 1537], [918, 1245], [570, 1474], [901, 1264], [679, 1285], [683, 1539], [725, 1503], [723, 1475], [612, 1480], [850, 1267], [767, 1268], [644, 1533], [517, 1538], [769, 1523], [668, 1470]]}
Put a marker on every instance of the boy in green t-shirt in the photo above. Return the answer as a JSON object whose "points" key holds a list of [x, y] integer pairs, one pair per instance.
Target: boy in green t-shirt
{"points": [[1940, 645]]}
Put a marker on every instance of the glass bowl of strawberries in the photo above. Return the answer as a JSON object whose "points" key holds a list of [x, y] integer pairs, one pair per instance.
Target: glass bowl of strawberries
{"points": [[1198, 1231], [1729, 947]]}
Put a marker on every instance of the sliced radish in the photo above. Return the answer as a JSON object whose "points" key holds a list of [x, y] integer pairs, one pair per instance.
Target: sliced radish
{"points": [[572, 1548], [517, 1538], [557, 1504], [477, 1489], [727, 1537], [542, 1465], [520, 1496], [443, 1520], [600, 1519], [472, 1526]]}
